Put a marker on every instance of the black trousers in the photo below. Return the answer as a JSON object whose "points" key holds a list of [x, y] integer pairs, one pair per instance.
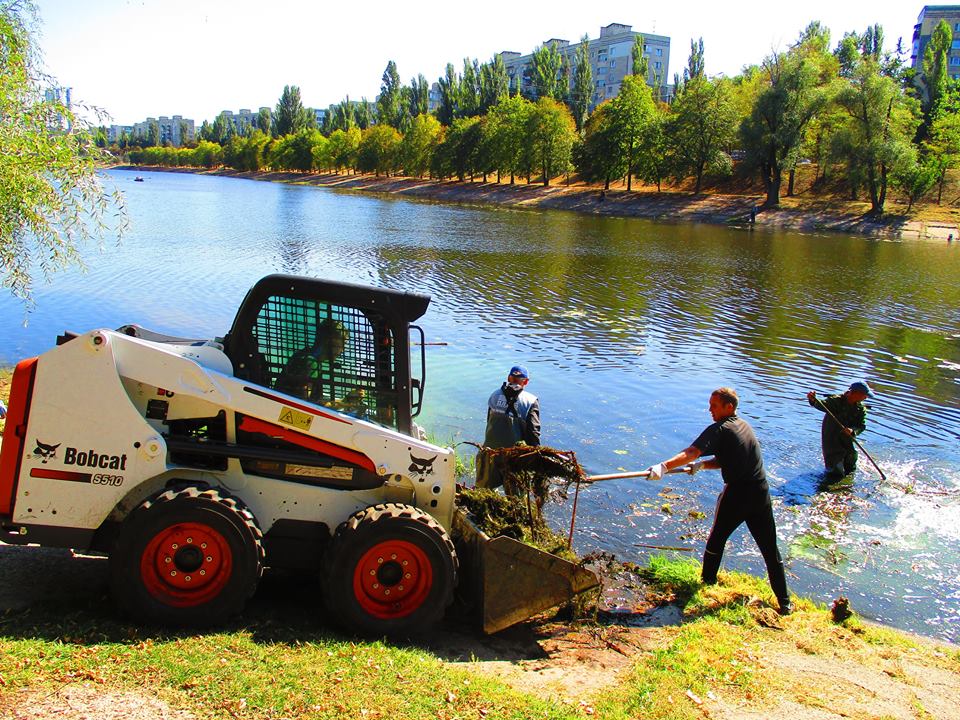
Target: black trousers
{"points": [[753, 508]]}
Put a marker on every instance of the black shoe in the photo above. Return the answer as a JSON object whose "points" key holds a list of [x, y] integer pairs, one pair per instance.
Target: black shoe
{"points": [[786, 607]]}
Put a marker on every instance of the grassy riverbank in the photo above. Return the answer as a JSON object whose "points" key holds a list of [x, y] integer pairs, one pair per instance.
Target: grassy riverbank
{"points": [[727, 203], [731, 656], [686, 651]]}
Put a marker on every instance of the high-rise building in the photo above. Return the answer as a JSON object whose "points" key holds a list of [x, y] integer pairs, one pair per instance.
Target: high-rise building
{"points": [[930, 17], [610, 61], [61, 96]]}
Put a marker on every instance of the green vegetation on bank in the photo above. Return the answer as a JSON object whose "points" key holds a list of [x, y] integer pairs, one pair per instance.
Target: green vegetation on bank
{"points": [[858, 114]]}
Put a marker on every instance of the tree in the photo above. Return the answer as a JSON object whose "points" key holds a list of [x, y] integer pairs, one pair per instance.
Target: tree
{"points": [[701, 128], [262, 121], [916, 179], [943, 145], [494, 83], [599, 157], [456, 153], [935, 76], [638, 61], [655, 156], [551, 133], [880, 123], [342, 147], [470, 89], [52, 199], [389, 109], [419, 144], [449, 96], [505, 135], [290, 115], [582, 84], [632, 109], [379, 150], [363, 114], [792, 96], [550, 72], [419, 96]]}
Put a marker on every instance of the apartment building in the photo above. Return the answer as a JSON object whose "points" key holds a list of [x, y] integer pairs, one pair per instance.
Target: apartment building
{"points": [[176, 130], [610, 61], [929, 18]]}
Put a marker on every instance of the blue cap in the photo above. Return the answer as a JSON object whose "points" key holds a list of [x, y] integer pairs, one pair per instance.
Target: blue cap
{"points": [[860, 387], [520, 371]]}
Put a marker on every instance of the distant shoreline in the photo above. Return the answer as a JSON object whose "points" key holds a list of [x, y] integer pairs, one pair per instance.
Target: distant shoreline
{"points": [[667, 206]]}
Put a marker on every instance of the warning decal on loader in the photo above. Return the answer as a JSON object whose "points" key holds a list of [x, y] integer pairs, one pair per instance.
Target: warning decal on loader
{"points": [[295, 418]]}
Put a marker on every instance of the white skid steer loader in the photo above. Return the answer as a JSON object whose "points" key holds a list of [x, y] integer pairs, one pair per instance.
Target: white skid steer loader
{"points": [[287, 443]]}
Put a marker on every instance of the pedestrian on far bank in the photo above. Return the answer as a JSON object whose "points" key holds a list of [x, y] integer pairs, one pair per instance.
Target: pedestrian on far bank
{"points": [[745, 497], [837, 432], [513, 416]]}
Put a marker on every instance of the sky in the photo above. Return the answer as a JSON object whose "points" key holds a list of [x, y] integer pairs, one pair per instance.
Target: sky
{"points": [[194, 58]]}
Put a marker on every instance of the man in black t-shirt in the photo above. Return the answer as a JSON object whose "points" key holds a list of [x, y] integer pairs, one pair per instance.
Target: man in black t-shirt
{"points": [[745, 496]]}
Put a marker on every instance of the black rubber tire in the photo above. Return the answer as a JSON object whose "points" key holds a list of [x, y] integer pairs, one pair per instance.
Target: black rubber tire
{"points": [[148, 547], [354, 549]]}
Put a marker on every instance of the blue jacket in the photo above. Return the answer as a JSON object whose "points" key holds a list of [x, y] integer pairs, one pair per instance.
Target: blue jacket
{"points": [[512, 417]]}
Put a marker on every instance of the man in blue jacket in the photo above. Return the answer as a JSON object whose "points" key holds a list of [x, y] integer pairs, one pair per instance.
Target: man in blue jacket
{"points": [[513, 416]]}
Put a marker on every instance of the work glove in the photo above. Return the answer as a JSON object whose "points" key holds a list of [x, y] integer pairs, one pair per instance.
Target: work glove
{"points": [[657, 471], [695, 467]]}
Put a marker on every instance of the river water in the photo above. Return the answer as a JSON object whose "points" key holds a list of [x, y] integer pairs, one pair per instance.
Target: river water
{"points": [[626, 326]]}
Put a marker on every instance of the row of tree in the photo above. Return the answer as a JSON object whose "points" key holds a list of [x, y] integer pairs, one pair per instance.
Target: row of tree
{"points": [[856, 111]]}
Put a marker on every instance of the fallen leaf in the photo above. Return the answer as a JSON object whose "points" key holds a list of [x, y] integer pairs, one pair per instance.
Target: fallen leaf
{"points": [[693, 697]]}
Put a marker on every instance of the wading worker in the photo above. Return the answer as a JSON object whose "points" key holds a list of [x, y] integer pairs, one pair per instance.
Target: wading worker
{"points": [[513, 416], [837, 432], [745, 497]]}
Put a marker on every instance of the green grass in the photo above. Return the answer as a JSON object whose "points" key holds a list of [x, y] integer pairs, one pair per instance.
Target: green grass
{"points": [[265, 669]]}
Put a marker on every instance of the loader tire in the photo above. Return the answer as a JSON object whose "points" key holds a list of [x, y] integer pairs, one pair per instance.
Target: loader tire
{"points": [[390, 570], [189, 557]]}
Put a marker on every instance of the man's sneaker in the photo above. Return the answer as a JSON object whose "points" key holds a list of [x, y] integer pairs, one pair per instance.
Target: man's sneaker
{"points": [[785, 607]]}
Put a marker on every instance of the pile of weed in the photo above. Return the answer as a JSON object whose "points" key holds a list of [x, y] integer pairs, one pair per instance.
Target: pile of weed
{"points": [[512, 516]]}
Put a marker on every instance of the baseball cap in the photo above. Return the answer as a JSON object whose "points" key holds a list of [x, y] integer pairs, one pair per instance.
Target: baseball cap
{"points": [[520, 371], [860, 387]]}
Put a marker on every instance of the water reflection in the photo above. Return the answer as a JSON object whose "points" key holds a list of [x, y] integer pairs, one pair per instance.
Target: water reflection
{"points": [[627, 326]]}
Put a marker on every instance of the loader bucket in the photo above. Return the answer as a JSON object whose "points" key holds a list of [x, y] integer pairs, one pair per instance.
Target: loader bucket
{"points": [[509, 581]]}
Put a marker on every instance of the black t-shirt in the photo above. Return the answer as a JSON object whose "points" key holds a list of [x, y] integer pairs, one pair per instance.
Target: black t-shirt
{"points": [[732, 441]]}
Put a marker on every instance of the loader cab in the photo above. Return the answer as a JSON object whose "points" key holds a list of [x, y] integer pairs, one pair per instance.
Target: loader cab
{"points": [[339, 345]]}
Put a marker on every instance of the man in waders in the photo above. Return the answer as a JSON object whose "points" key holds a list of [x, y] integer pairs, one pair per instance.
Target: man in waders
{"points": [[513, 416], [745, 497], [837, 432]]}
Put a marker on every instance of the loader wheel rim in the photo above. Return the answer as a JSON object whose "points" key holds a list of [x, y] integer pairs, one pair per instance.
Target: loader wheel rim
{"points": [[186, 564], [392, 579]]}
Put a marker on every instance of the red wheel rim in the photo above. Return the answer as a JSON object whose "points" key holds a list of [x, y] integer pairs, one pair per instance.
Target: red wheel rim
{"points": [[186, 564], [392, 579]]}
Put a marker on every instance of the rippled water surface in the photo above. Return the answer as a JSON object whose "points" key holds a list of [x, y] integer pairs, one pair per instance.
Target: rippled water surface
{"points": [[627, 326]]}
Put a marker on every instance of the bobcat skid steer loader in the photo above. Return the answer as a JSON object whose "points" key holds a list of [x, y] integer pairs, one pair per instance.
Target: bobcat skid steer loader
{"points": [[287, 443]]}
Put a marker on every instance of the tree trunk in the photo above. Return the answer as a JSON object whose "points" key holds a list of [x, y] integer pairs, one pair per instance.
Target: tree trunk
{"points": [[790, 181]]}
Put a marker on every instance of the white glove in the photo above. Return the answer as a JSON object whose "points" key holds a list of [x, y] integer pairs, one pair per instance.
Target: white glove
{"points": [[695, 467], [657, 471]]}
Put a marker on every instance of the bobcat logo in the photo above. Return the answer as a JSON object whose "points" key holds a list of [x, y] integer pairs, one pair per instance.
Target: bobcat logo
{"points": [[420, 467], [45, 452]]}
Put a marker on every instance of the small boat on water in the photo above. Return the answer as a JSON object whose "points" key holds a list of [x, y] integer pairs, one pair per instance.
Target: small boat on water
{"points": [[138, 179]]}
